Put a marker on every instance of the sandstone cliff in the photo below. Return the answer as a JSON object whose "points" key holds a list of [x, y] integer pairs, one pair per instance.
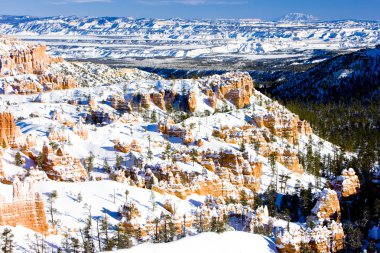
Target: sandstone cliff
{"points": [[26, 209], [347, 184], [24, 68], [8, 130]]}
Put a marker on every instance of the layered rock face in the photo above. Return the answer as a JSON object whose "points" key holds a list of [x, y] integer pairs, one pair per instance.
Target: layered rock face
{"points": [[2, 173], [61, 166], [125, 148], [26, 209], [230, 173], [158, 100], [23, 58], [347, 184], [290, 160], [284, 125], [192, 102], [237, 88], [320, 239], [8, 129], [250, 134], [169, 128], [57, 82], [327, 206], [28, 65]]}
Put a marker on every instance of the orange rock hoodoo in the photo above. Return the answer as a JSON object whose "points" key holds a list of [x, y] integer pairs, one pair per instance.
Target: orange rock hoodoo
{"points": [[61, 166], [2, 173], [347, 184], [24, 58], [158, 100], [192, 101], [321, 239], [8, 129], [250, 134], [125, 148], [237, 88], [26, 209], [169, 128], [232, 173], [327, 206], [290, 160], [18, 58]]}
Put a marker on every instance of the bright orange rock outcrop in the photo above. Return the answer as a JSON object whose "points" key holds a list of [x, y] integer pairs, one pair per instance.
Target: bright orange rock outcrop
{"points": [[327, 206], [8, 129], [320, 239], [192, 101], [61, 166], [26, 209], [18, 58], [168, 127], [347, 184]]}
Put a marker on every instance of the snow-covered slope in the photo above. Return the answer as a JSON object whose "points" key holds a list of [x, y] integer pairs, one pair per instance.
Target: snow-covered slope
{"points": [[147, 155], [111, 37], [227, 242]]}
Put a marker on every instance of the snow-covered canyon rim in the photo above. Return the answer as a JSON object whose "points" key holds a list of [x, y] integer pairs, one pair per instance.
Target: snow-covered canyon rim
{"points": [[250, 39]]}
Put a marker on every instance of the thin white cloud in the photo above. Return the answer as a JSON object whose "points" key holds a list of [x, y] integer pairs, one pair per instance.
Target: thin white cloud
{"points": [[192, 2], [80, 1]]}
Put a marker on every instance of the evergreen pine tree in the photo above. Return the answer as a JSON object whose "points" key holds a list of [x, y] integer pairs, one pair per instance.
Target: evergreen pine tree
{"points": [[7, 241], [18, 159], [51, 209], [106, 166]]}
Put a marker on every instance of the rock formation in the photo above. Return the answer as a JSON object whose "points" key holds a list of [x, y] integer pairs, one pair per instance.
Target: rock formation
{"points": [[100, 116], [57, 135], [158, 100], [81, 130], [192, 101], [119, 103], [235, 87], [8, 130], [2, 173], [145, 101], [169, 128], [23, 58], [26, 209], [320, 239], [29, 64], [125, 148], [327, 206], [290, 160], [347, 184], [61, 166]]}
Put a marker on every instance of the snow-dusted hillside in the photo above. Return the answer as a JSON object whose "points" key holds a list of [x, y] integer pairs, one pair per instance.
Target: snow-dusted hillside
{"points": [[346, 77], [210, 242], [123, 157], [118, 38]]}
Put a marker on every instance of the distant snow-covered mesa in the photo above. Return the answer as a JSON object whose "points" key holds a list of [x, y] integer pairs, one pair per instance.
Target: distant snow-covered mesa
{"points": [[117, 38]]}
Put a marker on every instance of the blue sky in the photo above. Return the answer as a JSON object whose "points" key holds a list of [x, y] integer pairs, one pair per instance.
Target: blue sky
{"points": [[264, 9]]}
